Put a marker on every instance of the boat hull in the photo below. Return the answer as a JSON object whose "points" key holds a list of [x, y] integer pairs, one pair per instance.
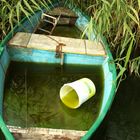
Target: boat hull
{"points": [[33, 55]]}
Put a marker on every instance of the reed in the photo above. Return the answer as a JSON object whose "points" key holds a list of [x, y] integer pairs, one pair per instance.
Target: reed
{"points": [[12, 11], [118, 21]]}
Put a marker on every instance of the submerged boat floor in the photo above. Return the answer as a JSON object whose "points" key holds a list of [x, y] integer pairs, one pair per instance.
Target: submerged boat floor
{"points": [[48, 42], [45, 133]]}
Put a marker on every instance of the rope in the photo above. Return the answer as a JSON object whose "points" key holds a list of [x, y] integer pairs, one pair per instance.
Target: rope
{"points": [[53, 39]]}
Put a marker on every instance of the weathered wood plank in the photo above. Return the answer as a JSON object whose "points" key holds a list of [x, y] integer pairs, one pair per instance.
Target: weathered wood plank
{"points": [[72, 45], [95, 48], [20, 40], [67, 15], [47, 42], [62, 11], [44, 42], [35, 133]]}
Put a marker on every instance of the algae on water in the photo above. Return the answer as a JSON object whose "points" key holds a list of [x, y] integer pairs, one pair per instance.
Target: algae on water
{"points": [[31, 97]]}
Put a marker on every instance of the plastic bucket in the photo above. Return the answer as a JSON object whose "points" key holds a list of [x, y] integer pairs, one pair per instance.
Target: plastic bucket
{"points": [[74, 94]]}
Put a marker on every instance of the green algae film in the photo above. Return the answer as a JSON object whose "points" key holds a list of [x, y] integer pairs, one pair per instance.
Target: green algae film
{"points": [[64, 31], [31, 97], [67, 31]]}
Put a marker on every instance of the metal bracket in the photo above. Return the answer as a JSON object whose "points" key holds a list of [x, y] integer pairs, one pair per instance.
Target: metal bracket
{"points": [[59, 50]]}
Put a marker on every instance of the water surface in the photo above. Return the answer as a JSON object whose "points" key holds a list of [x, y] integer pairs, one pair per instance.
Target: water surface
{"points": [[31, 96], [64, 31], [124, 120]]}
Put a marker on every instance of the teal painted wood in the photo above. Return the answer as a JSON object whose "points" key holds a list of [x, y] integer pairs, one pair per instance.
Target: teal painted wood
{"points": [[2, 77], [1, 49], [4, 62], [32, 55], [41, 56]]}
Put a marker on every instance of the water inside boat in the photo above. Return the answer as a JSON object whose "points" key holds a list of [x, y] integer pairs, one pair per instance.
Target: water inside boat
{"points": [[32, 90], [64, 31], [31, 96]]}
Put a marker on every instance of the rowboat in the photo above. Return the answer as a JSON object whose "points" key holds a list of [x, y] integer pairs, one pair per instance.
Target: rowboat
{"points": [[23, 44]]}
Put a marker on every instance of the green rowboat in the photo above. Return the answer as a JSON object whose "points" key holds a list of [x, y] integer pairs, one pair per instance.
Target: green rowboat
{"points": [[35, 55]]}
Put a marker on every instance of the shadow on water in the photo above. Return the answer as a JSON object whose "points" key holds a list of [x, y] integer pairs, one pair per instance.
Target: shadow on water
{"points": [[123, 120], [2, 137]]}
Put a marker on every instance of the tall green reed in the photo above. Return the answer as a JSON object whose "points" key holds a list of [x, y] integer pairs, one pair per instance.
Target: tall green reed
{"points": [[118, 21], [12, 11]]}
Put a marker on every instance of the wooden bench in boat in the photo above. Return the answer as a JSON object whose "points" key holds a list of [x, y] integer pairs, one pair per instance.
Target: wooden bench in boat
{"points": [[48, 42], [34, 133], [68, 17]]}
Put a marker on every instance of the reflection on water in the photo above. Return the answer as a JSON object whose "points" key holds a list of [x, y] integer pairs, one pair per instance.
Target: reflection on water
{"points": [[124, 120], [32, 96]]}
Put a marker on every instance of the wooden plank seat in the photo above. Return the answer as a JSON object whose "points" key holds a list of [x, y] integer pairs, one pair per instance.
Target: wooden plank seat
{"points": [[68, 17], [48, 42], [34, 133]]}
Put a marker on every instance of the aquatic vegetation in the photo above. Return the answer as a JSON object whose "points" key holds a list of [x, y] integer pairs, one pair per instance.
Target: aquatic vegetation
{"points": [[119, 22]]}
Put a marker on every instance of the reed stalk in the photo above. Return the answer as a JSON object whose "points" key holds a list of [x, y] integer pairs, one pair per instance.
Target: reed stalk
{"points": [[119, 22], [12, 11]]}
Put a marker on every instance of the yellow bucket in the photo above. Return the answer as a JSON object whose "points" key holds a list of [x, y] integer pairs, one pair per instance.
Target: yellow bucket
{"points": [[74, 94]]}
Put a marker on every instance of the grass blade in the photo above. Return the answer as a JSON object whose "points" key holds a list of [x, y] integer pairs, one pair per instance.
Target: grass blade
{"points": [[28, 6], [129, 53]]}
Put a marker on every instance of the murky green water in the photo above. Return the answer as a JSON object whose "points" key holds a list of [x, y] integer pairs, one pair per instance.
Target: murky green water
{"points": [[67, 31], [32, 96], [124, 120], [64, 31]]}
